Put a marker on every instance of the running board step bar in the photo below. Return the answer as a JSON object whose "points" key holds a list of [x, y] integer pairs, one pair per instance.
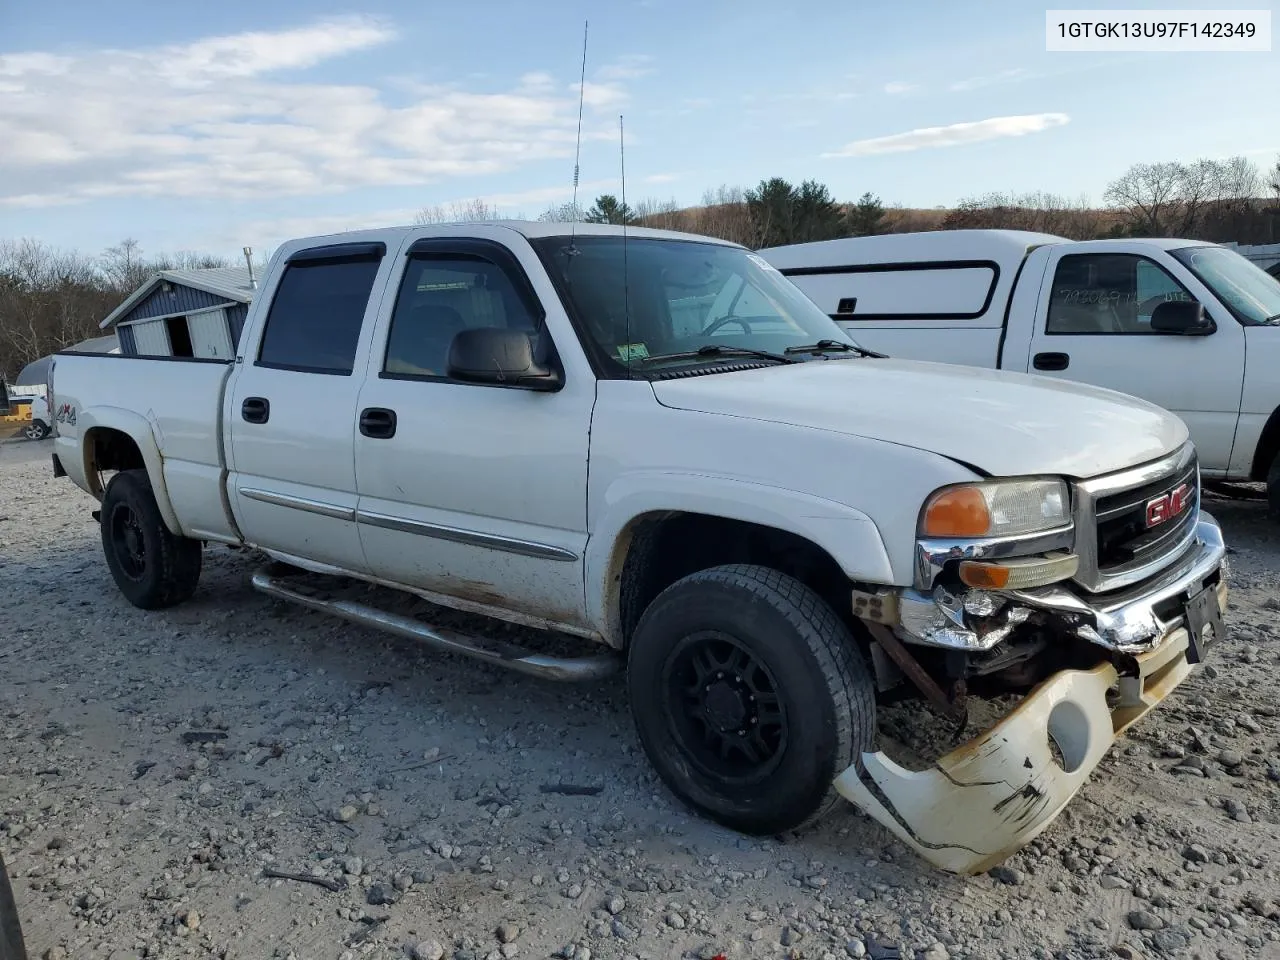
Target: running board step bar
{"points": [[490, 651]]}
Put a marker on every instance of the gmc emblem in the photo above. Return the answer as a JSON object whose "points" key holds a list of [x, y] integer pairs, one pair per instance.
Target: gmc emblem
{"points": [[1171, 505]]}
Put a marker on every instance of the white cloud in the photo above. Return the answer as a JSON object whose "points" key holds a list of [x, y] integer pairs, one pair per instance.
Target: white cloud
{"points": [[220, 117], [925, 138], [662, 178], [628, 67], [1004, 76], [257, 52], [900, 86]]}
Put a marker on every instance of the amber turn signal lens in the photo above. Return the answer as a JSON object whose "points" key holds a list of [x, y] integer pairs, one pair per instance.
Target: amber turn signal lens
{"points": [[984, 576], [958, 512], [1019, 574]]}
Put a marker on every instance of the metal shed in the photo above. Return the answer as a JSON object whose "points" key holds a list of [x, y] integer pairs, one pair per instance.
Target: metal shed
{"points": [[185, 313]]}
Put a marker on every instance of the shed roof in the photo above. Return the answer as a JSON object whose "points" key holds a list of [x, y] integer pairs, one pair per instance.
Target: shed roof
{"points": [[230, 282]]}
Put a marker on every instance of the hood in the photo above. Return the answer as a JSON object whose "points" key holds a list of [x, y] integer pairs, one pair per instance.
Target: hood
{"points": [[1006, 424]]}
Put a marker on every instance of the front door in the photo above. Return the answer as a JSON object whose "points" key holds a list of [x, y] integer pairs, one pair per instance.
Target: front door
{"points": [[476, 492], [1093, 325], [291, 407]]}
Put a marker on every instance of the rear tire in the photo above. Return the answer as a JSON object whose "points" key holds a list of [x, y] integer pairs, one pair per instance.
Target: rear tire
{"points": [[12, 946], [1273, 488], [749, 697], [152, 567], [36, 430]]}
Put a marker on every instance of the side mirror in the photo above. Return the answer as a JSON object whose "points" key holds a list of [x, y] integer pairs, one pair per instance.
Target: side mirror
{"points": [[1185, 318], [499, 357]]}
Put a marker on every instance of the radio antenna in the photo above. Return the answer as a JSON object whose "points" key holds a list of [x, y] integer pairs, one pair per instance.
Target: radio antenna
{"points": [[577, 149], [626, 292]]}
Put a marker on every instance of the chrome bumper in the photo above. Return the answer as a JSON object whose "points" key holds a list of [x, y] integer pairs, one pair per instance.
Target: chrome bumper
{"points": [[985, 800], [1128, 620]]}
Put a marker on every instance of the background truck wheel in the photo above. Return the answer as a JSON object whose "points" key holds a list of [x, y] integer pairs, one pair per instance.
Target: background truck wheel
{"points": [[152, 567], [749, 696], [12, 946], [1273, 488], [35, 430]]}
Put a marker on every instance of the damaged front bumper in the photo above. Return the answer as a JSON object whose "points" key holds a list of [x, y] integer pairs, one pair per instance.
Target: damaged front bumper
{"points": [[1129, 621], [983, 801]]}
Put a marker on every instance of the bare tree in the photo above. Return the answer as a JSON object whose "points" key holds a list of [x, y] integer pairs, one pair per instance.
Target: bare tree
{"points": [[1275, 179], [724, 213], [123, 265], [49, 299], [1197, 199], [1037, 212], [563, 213], [660, 214], [188, 260], [468, 211], [1148, 192]]}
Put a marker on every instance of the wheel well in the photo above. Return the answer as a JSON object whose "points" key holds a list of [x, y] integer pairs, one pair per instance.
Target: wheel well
{"points": [[1268, 447], [665, 547], [106, 450]]}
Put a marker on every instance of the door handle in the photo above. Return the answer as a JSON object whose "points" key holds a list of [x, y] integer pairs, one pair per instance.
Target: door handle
{"points": [[1051, 361], [255, 409], [378, 423]]}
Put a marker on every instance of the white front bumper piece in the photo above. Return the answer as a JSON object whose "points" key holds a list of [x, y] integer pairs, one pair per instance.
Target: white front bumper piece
{"points": [[983, 801]]}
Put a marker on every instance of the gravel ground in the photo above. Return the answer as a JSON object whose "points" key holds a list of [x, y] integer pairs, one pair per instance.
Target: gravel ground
{"points": [[157, 766]]}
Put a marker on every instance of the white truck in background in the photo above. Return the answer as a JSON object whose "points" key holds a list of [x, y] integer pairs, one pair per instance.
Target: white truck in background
{"points": [[1189, 326], [657, 445]]}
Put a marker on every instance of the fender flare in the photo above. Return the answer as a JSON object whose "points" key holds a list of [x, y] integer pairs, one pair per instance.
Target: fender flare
{"points": [[139, 430], [850, 536]]}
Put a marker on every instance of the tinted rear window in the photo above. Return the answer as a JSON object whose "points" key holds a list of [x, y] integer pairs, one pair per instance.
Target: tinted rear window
{"points": [[315, 318]]}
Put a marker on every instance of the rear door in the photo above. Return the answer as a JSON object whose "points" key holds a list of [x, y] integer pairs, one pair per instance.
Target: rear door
{"points": [[1093, 325], [291, 409], [473, 491]]}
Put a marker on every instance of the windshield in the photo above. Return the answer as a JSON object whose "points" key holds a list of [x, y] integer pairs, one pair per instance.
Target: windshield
{"points": [[679, 297], [1251, 293]]}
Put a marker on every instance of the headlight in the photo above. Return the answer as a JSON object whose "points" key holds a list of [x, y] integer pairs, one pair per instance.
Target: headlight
{"points": [[1000, 508]]}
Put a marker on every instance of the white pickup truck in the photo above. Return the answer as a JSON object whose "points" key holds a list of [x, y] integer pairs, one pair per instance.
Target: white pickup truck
{"points": [[1190, 326], [656, 444]]}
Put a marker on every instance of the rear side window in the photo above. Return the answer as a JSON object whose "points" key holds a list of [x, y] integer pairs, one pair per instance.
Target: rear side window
{"points": [[900, 291], [315, 318], [441, 296]]}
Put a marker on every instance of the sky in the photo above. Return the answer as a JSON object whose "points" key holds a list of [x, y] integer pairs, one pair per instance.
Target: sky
{"points": [[214, 126]]}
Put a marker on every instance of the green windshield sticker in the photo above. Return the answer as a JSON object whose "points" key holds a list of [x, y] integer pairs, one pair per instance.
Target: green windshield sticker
{"points": [[632, 351]]}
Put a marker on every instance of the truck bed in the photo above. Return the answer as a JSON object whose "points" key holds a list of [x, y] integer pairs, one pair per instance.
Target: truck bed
{"points": [[180, 400]]}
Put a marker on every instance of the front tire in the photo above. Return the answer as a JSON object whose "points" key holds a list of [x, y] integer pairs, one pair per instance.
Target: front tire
{"points": [[749, 697], [153, 567], [35, 430], [1273, 488]]}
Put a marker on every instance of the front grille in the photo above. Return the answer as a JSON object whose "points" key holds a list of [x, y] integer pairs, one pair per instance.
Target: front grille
{"points": [[1117, 547]]}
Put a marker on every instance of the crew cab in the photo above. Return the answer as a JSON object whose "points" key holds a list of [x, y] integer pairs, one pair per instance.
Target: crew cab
{"points": [[653, 444], [1190, 326]]}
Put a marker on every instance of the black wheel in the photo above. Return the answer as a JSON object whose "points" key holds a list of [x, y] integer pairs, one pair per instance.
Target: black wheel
{"points": [[749, 696], [1273, 488], [35, 430], [152, 567], [12, 946]]}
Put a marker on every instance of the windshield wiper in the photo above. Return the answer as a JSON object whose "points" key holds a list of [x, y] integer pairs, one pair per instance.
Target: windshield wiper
{"points": [[1274, 319], [824, 345], [720, 350]]}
